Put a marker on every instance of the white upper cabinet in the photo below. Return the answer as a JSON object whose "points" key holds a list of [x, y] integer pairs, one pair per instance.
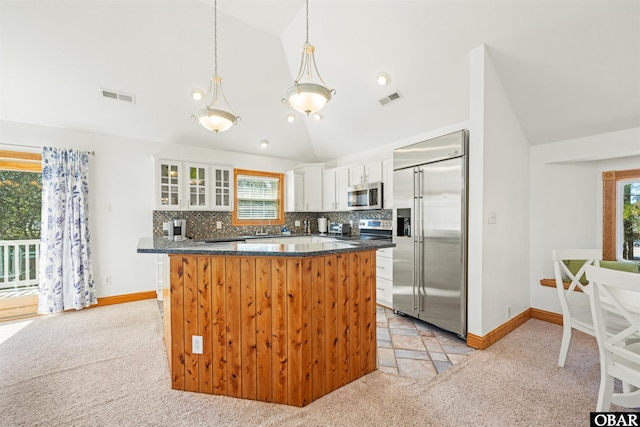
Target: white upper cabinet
{"points": [[369, 172], [294, 191], [193, 186], [313, 188], [387, 184], [198, 186], [169, 185], [222, 179], [303, 187], [342, 184], [329, 191], [336, 182]]}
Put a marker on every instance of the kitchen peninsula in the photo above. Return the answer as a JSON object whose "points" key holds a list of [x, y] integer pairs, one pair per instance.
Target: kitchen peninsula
{"points": [[276, 322]]}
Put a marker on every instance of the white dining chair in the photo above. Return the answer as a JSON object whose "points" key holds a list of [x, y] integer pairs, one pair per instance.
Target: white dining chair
{"points": [[618, 292], [576, 312]]}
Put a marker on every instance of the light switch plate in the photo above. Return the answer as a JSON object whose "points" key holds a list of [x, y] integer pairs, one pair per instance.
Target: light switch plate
{"points": [[492, 218]]}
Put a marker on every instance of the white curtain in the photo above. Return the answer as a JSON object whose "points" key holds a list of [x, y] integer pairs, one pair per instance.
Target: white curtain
{"points": [[66, 278]]}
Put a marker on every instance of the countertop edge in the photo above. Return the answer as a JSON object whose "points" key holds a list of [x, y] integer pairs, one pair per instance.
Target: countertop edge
{"points": [[149, 245]]}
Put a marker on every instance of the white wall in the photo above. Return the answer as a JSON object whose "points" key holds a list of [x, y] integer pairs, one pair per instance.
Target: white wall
{"points": [[499, 183], [385, 152], [121, 198], [566, 199]]}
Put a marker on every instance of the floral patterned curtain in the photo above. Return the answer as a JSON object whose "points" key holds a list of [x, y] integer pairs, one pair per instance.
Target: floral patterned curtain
{"points": [[66, 277]]}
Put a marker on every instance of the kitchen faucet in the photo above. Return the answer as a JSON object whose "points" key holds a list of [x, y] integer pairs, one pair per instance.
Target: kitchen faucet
{"points": [[262, 229]]}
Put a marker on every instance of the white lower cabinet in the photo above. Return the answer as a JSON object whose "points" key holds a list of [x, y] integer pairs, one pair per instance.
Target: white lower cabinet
{"points": [[384, 277], [162, 275]]}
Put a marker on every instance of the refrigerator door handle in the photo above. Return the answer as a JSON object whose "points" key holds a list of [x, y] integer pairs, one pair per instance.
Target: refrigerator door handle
{"points": [[420, 240], [415, 241]]}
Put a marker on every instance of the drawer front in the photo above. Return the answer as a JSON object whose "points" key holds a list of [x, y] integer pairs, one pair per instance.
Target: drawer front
{"points": [[384, 268], [384, 292], [385, 252]]}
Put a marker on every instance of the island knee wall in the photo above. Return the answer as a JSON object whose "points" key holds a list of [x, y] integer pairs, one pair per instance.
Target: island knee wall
{"points": [[276, 329]]}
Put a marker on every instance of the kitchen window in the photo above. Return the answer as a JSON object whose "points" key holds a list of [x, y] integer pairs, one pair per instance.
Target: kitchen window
{"points": [[259, 197], [621, 215]]}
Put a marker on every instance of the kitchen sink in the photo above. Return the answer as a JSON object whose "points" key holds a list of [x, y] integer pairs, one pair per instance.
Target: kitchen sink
{"points": [[244, 237], [222, 240]]}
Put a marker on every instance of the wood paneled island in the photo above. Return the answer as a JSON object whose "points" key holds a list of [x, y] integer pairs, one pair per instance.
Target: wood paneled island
{"points": [[279, 323]]}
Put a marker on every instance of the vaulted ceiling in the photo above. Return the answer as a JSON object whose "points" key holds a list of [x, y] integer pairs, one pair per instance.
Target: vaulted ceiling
{"points": [[569, 68]]}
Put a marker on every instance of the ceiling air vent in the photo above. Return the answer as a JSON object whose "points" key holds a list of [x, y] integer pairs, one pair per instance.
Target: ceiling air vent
{"points": [[395, 96], [118, 96]]}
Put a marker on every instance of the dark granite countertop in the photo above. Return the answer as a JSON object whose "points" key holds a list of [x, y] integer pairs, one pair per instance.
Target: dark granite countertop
{"points": [[251, 246]]}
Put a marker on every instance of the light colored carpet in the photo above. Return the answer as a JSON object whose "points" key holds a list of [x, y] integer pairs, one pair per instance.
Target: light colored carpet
{"points": [[107, 366]]}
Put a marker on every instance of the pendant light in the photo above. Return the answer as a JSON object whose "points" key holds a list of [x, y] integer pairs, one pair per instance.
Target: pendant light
{"points": [[308, 95], [215, 113]]}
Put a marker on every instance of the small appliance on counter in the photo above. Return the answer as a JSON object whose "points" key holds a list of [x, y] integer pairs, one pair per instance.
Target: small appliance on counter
{"points": [[340, 229], [322, 225], [176, 229]]}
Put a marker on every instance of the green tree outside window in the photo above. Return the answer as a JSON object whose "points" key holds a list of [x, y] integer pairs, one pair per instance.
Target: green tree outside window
{"points": [[21, 195], [631, 221]]}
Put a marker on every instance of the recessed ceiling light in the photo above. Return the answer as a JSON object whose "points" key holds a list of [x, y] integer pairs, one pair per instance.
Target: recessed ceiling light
{"points": [[291, 117], [317, 116], [197, 94], [264, 143], [383, 79]]}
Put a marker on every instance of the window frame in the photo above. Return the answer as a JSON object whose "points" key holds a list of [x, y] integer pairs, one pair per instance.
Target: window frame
{"points": [[235, 221], [20, 161], [610, 181]]}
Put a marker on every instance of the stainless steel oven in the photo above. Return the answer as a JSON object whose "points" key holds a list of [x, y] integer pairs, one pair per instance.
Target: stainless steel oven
{"points": [[365, 196], [375, 229]]}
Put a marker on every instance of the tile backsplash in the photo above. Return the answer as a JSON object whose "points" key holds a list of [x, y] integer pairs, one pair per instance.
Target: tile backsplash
{"points": [[202, 224]]}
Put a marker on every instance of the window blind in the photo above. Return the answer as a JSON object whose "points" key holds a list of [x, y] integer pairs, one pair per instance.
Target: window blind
{"points": [[258, 197]]}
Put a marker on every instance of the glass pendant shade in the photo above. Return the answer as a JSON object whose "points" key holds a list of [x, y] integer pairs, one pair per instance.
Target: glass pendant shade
{"points": [[308, 98], [216, 120], [213, 114]]}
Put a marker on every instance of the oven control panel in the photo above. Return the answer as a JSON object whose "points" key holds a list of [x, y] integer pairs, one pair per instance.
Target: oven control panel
{"points": [[375, 224]]}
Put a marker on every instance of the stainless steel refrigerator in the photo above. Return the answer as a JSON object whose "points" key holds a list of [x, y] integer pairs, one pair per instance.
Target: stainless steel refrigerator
{"points": [[430, 231]]}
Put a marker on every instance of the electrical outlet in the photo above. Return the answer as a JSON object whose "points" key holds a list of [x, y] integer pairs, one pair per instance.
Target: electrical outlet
{"points": [[218, 225], [196, 344], [297, 223], [107, 280]]}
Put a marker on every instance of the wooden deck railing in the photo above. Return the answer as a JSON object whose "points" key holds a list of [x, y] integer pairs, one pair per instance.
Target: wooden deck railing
{"points": [[19, 260]]}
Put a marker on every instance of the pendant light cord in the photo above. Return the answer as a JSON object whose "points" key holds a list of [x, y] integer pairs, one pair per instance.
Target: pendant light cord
{"points": [[307, 21], [215, 36]]}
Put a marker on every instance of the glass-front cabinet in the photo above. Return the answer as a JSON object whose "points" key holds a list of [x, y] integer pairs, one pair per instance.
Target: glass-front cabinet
{"points": [[193, 186], [222, 188], [169, 189], [198, 186]]}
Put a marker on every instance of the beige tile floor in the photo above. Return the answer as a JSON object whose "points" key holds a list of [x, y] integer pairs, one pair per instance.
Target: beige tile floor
{"points": [[412, 348]]}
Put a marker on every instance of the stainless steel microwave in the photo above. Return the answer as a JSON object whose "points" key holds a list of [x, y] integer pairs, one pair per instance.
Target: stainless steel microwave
{"points": [[365, 196]]}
